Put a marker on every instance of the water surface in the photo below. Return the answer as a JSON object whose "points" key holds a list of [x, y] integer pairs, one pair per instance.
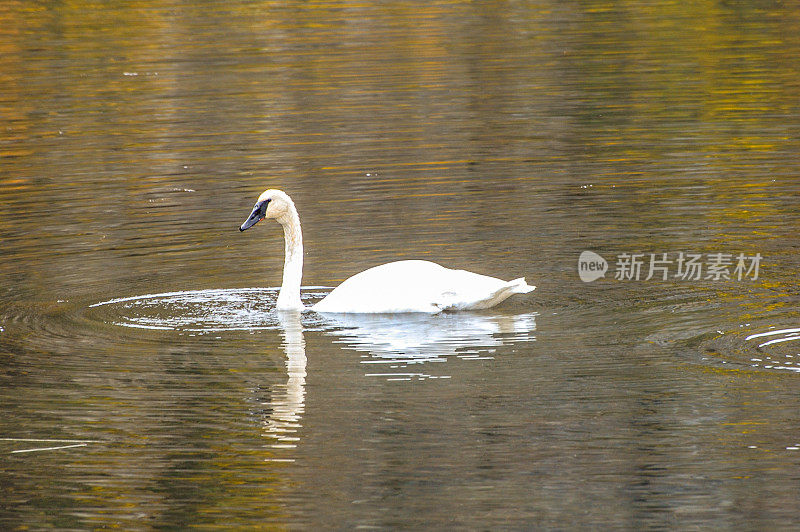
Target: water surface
{"points": [[137, 325]]}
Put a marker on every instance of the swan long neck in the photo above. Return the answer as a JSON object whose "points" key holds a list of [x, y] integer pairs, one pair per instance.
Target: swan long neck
{"points": [[289, 297]]}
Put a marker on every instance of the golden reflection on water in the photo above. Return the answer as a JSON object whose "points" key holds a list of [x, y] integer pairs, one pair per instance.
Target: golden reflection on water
{"points": [[502, 137]]}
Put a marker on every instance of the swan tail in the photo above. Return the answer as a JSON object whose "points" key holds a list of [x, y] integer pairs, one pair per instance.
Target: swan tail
{"points": [[519, 286]]}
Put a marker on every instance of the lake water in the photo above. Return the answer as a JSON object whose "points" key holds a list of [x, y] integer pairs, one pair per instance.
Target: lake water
{"points": [[146, 380]]}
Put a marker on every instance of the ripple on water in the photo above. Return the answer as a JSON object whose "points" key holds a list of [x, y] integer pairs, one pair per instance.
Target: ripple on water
{"points": [[199, 311], [390, 343], [773, 349]]}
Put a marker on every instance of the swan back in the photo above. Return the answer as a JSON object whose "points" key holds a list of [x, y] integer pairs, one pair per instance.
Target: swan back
{"points": [[418, 286]]}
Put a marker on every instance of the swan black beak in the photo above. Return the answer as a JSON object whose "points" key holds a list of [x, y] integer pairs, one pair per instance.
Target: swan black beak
{"points": [[258, 214]]}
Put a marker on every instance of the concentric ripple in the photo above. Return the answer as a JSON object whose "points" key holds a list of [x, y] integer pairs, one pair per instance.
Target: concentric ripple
{"points": [[198, 311], [775, 349], [390, 343]]}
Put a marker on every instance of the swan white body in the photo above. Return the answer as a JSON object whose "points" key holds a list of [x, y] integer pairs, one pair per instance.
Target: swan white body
{"points": [[418, 286], [402, 286]]}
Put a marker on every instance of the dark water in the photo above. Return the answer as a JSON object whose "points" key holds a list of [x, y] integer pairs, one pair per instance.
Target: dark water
{"points": [[137, 328]]}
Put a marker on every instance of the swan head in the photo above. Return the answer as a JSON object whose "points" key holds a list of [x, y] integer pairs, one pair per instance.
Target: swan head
{"points": [[271, 203]]}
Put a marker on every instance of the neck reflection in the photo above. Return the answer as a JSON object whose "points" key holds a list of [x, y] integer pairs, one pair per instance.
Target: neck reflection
{"points": [[288, 406]]}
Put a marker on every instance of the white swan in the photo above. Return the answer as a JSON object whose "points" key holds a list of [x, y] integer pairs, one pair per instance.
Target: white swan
{"points": [[402, 286]]}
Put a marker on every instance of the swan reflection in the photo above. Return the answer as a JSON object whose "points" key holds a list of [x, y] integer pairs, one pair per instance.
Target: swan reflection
{"points": [[391, 343], [286, 408], [397, 341]]}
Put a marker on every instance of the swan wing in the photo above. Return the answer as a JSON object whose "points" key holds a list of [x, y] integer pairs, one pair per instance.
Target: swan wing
{"points": [[418, 286]]}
